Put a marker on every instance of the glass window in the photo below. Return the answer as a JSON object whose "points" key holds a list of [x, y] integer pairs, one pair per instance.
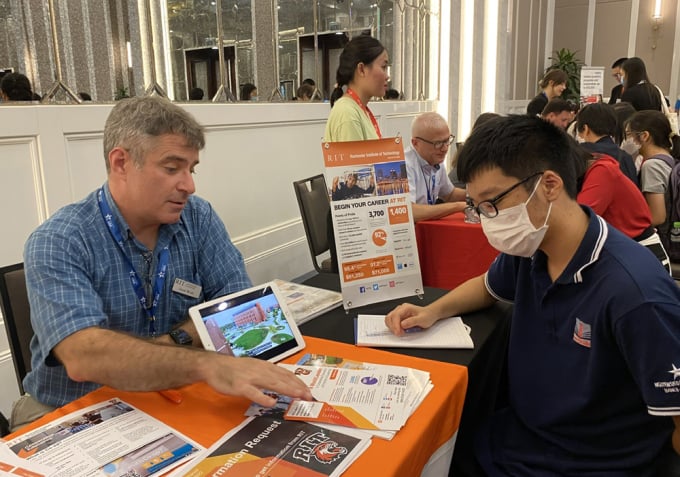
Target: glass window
{"points": [[186, 44]]}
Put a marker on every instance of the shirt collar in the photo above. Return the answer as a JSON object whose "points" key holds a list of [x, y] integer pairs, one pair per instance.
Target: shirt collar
{"points": [[165, 233], [587, 253], [424, 165]]}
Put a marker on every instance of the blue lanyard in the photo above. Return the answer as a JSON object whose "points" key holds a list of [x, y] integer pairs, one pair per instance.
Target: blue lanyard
{"points": [[430, 194], [163, 259]]}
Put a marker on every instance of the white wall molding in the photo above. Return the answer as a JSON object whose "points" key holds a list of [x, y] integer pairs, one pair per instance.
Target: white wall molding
{"points": [[51, 155]]}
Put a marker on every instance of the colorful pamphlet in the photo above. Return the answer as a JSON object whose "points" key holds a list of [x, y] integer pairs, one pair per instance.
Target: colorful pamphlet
{"points": [[273, 447], [306, 302], [110, 438], [380, 398]]}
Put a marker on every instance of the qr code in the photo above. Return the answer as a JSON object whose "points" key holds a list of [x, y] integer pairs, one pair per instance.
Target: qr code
{"points": [[395, 380]]}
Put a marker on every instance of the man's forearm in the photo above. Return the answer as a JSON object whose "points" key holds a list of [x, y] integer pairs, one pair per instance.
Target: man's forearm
{"points": [[129, 363], [436, 211]]}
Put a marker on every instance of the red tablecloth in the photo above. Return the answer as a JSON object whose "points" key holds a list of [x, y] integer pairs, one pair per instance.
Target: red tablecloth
{"points": [[452, 251]]}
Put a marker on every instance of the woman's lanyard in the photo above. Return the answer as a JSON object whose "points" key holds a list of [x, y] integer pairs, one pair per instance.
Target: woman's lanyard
{"points": [[137, 286], [430, 193], [355, 97]]}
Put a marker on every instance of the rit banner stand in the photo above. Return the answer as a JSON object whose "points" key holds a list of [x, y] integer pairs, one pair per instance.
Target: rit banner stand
{"points": [[592, 84], [372, 220]]}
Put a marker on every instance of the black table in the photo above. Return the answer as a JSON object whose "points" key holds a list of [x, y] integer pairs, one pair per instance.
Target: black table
{"points": [[486, 363]]}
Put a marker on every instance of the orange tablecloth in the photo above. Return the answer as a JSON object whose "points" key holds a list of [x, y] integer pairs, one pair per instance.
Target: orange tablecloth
{"points": [[205, 415], [452, 251]]}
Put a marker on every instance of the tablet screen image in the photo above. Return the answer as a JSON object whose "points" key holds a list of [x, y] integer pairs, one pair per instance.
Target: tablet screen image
{"points": [[253, 323]]}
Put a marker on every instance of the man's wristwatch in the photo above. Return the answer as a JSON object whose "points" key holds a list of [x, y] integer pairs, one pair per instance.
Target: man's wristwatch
{"points": [[181, 337]]}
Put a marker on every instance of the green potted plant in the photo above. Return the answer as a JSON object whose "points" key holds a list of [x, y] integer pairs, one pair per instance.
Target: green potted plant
{"points": [[121, 93], [566, 60]]}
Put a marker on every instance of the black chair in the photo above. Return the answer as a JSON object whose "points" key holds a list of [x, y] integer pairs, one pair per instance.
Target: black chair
{"points": [[4, 425], [675, 270], [312, 197], [17, 317]]}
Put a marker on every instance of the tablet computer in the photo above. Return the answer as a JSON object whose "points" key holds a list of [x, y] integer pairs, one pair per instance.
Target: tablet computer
{"points": [[254, 322]]}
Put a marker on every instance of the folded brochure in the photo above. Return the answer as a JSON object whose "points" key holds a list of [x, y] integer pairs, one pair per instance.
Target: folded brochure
{"points": [[381, 398], [271, 446]]}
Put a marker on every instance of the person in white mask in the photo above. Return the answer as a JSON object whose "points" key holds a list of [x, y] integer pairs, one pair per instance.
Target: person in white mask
{"points": [[594, 339]]}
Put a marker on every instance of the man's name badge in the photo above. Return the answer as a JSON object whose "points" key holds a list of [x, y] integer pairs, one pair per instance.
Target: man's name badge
{"points": [[186, 288]]}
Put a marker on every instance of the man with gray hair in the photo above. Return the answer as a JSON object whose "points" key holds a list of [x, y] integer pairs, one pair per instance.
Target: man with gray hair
{"points": [[110, 278], [431, 191]]}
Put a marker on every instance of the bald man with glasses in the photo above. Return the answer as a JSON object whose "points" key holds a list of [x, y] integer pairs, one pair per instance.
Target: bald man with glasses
{"points": [[430, 189]]}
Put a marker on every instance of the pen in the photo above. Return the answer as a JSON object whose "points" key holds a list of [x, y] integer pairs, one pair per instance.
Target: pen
{"points": [[413, 329], [171, 395]]}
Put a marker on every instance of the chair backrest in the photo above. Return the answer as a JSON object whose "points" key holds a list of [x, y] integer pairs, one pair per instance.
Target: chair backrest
{"points": [[312, 197], [16, 314]]}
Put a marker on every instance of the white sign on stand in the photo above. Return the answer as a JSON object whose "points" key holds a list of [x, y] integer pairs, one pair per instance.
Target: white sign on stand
{"points": [[372, 221], [592, 84]]}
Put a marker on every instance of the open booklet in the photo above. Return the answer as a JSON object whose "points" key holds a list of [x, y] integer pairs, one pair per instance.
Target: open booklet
{"points": [[307, 302], [272, 446], [446, 333], [110, 438]]}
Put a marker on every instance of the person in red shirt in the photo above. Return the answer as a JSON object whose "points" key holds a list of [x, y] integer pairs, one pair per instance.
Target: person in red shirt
{"points": [[615, 198]]}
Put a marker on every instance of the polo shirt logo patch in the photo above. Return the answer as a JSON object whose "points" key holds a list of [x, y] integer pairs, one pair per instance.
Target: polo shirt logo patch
{"points": [[582, 333]]}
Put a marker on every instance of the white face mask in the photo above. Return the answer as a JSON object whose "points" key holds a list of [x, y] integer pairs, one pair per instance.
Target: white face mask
{"points": [[512, 232], [630, 147]]}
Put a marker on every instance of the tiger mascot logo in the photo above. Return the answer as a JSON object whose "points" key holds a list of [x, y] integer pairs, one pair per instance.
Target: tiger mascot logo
{"points": [[328, 452]]}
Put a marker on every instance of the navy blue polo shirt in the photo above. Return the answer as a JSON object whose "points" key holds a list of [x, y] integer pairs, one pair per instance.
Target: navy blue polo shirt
{"points": [[592, 361]]}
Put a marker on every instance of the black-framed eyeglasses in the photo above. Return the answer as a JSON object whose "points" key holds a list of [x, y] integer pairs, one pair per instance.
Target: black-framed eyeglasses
{"points": [[488, 208], [439, 144]]}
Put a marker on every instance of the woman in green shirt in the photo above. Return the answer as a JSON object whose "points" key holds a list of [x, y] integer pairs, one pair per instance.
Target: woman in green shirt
{"points": [[362, 74]]}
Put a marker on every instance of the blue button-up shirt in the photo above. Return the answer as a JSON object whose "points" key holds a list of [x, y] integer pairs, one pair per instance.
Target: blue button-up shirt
{"points": [[77, 277]]}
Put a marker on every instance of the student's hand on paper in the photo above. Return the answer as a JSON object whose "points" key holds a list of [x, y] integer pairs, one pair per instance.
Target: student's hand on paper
{"points": [[247, 377], [407, 316]]}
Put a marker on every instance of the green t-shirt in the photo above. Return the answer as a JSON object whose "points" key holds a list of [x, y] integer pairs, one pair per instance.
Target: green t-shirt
{"points": [[348, 122]]}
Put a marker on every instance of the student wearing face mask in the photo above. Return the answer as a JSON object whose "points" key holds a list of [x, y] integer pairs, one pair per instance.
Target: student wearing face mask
{"points": [[617, 73], [660, 148], [638, 90], [596, 125], [596, 319], [623, 112]]}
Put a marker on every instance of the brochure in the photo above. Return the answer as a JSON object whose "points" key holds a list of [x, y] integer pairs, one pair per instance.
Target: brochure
{"points": [[446, 333], [380, 398], [13, 466], [273, 447], [314, 359], [110, 438], [306, 302]]}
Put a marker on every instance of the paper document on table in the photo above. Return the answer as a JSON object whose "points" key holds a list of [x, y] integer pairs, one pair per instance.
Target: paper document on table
{"points": [[379, 399], [417, 388], [270, 446], [306, 302], [105, 439], [12, 466], [445, 333]]}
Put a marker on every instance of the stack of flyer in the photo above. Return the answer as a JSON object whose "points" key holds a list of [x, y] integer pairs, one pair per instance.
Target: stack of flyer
{"points": [[350, 394], [307, 302]]}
